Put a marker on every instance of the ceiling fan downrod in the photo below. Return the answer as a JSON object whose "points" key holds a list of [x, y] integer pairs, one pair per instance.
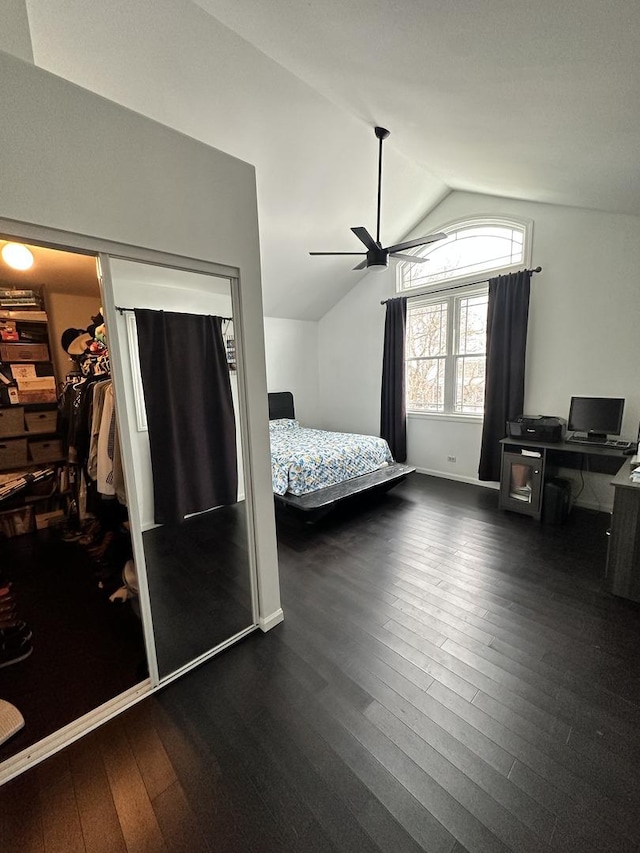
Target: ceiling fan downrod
{"points": [[381, 133]]}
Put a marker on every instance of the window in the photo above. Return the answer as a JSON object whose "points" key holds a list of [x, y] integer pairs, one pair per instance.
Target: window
{"points": [[472, 247], [446, 333], [445, 353]]}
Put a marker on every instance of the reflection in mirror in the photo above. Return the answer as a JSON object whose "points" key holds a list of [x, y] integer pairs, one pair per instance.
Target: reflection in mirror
{"points": [[183, 403]]}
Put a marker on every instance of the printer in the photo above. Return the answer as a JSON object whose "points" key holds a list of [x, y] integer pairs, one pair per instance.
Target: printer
{"points": [[537, 428]]}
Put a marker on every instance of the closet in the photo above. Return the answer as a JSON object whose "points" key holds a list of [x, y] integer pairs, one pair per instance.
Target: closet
{"points": [[70, 626]]}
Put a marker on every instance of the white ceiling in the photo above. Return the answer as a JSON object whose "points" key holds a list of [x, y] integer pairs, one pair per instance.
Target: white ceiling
{"points": [[535, 100], [53, 270], [505, 97]]}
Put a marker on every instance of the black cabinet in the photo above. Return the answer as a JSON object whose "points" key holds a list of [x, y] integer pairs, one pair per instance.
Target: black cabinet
{"points": [[623, 557], [521, 481], [527, 465]]}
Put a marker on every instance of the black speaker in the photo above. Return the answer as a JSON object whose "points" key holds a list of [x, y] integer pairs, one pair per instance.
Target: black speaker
{"points": [[556, 501]]}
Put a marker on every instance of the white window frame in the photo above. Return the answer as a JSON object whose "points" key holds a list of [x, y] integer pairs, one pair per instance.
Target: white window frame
{"points": [[479, 220], [453, 324]]}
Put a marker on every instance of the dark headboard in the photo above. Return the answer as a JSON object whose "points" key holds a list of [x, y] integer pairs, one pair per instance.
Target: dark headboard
{"points": [[281, 405]]}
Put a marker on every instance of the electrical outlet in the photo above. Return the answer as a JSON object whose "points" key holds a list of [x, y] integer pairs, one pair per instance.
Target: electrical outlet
{"points": [[451, 459]]}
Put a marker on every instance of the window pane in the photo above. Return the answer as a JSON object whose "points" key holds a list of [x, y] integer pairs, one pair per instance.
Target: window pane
{"points": [[470, 372], [425, 385], [470, 249], [472, 329], [427, 330]]}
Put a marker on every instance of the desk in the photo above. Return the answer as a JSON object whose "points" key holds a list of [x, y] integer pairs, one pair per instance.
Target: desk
{"points": [[523, 476], [623, 556]]}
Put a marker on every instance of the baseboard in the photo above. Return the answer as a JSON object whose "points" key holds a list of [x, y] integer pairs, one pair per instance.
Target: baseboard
{"points": [[460, 478], [266, 623]]}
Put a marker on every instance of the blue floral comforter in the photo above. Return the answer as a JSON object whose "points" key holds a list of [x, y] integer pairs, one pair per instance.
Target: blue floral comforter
{"points": [[303, 460]]}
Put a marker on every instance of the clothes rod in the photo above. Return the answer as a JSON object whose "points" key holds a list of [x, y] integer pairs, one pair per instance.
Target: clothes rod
{"points": [[122, 310], [455, 287]]}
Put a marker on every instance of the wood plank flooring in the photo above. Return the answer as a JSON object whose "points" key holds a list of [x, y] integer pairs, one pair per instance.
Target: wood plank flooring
{"points": [[448, 678]]}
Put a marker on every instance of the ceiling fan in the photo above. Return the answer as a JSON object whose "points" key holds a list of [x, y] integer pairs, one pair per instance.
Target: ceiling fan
{"points": [[377, 257]]}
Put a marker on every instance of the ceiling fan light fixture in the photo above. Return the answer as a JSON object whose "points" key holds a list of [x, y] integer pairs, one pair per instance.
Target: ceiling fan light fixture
{"points": [[17, 256]]}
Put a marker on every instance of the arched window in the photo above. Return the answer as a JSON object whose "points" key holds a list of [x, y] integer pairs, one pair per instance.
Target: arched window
{"points": [[473, 248], [445, 351]]}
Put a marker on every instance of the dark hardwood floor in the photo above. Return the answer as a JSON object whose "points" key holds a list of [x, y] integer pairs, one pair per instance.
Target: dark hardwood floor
{"points": [[448, 678]]}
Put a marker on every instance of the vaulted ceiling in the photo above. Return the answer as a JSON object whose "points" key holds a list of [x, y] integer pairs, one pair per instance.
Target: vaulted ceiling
{"points": [[505, 97]]}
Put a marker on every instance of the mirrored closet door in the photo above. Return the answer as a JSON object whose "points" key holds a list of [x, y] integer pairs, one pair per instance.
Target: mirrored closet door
{"points": [[183, 406]]}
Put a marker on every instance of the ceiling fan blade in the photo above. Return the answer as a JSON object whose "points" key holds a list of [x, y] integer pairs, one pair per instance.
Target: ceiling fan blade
{"points": [[337, 253], [419, 241], [413, 259], [367, 239], [361, 265]]}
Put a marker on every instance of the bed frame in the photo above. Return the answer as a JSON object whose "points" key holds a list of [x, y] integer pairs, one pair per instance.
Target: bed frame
{"points": [[319, 503]]}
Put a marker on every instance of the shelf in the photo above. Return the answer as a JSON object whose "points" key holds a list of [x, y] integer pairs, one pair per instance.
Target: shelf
{"points": [[28, 434], [9, 314], [35, 406], [31, 464]]}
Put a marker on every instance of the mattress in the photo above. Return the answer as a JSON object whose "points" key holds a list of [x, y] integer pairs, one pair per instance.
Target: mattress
{"points": [[304, 460]]}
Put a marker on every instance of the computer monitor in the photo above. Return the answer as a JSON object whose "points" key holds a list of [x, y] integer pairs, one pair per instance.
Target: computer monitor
{"points": [[597, 416]]}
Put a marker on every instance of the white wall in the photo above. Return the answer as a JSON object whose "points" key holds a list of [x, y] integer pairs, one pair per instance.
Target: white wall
{"points": [[74, 161], [66, 311], [15, 37], [350, 339], [582, 340], [291, 348]]}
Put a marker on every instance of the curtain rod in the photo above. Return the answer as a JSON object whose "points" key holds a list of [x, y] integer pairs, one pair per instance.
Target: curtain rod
{"points": [[456, 286], [122, 310]]}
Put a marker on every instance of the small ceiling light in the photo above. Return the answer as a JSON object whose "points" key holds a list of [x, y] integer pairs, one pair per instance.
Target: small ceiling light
{"points": [[17, 255]]}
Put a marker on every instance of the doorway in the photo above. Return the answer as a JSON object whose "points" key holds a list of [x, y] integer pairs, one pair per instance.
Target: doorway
{"points": [[72, 637], [108, 603]]}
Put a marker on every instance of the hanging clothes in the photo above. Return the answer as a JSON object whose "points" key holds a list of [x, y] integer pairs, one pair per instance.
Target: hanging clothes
{"points": [[98, 395], [106, 444], [190, 416]]}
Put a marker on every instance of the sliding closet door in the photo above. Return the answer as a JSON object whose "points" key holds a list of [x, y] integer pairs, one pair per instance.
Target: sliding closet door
{"points": [[184, 405]]}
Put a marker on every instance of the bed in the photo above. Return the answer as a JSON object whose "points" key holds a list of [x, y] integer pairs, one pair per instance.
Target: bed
{"points": [[312, 470]]}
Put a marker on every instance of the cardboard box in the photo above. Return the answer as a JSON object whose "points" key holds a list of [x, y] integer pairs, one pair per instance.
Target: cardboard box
{"points": [[45, 451], [49, 519], [40, 383], [39, 421], [13, 452], [12, 421], [24, 352], [44, 396], [16, 522]]}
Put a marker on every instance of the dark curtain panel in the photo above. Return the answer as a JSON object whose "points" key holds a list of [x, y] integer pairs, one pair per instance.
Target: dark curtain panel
{"points": [[393, 409], [192, 431], [507, 316]]}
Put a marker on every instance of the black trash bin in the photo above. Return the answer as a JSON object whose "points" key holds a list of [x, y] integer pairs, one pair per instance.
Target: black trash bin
{"points": [[556, 500]]}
